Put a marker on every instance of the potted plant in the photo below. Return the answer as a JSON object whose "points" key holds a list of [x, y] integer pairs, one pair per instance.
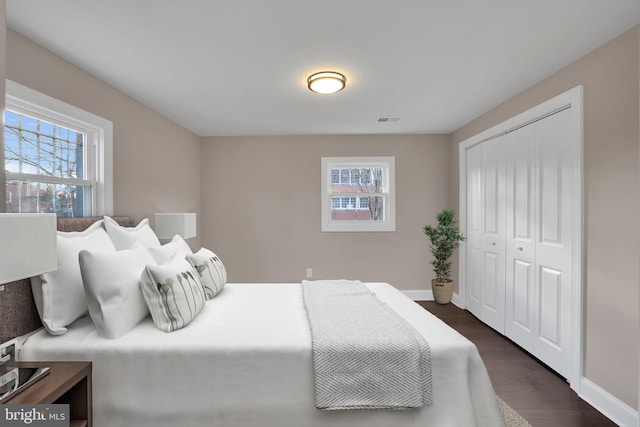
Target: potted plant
{"points": [[445, 238]]}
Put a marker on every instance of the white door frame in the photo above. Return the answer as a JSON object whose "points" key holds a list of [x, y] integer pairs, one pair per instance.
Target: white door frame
{"points": [[572, 99]]}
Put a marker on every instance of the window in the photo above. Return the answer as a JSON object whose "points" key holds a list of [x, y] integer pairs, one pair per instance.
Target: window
{"points": [[358, 194], [351, 203], [350, 176], [57, 157]]}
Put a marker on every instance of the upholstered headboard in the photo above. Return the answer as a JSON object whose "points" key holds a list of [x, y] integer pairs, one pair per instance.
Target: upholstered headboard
{"points": [[18, 314]]}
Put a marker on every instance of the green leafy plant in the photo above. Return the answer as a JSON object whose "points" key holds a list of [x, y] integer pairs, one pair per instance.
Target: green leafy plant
{"points": [[445, 238]]}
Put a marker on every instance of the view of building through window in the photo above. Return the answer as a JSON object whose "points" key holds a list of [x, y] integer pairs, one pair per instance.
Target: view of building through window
{"points": [[352, 194], [45, 167]]}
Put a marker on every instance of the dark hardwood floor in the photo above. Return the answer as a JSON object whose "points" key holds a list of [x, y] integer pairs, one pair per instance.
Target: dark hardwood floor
{"points": [[536, 392]]}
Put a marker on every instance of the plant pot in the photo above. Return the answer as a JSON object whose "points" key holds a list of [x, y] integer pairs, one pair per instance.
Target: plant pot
{"points": [[442, 290]]}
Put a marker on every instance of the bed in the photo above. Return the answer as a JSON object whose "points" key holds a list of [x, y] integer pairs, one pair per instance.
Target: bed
{"points": [[246, 360]]}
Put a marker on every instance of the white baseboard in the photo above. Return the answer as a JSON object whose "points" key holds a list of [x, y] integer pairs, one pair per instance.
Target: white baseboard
{"points": [[455, 299], [419, 295], [614, 409]]}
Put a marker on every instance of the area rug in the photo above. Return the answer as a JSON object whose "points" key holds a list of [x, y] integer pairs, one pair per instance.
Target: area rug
{"points": [[511, 417]]}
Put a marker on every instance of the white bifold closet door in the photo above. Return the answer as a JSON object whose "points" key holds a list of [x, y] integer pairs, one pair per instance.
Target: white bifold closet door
{"points": [[540, 240], [521, 240], [493, 234], [486, 232], [473, 236], [519, 237]]}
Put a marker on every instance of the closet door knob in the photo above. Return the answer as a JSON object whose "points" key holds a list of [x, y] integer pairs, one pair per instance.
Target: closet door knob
{"points": [[520, 248], [493, 243]]}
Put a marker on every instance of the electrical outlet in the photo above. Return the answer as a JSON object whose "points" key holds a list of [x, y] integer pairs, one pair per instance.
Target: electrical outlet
{"points": [[309, 273]]}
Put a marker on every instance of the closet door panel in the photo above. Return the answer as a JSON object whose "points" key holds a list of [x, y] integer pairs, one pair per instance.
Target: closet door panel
{"points": [[519, 305], [553, 303], [474, 230], [520, 237], [493, 233], [550, 181], [492, 300]]}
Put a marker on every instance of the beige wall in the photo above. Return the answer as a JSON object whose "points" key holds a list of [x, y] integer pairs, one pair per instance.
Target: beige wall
{"points": [[156, 162], [261, 198], [610, 76]]}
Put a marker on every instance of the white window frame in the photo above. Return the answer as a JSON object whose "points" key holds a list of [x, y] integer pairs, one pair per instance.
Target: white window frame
{"points": [[99, 146], [389, 215]]}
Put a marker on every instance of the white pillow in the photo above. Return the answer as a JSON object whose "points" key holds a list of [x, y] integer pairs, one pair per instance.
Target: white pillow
{"points": [[111, 283], [125, 237], [59, 295], [212, 273], [173, 293], [177, 246]]}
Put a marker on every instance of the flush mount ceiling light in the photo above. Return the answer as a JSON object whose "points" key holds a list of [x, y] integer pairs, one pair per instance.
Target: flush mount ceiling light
{"points": [[326, 82]]}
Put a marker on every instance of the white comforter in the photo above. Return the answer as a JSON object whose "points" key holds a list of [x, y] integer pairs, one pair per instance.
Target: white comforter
{"points": [[246, 361]]}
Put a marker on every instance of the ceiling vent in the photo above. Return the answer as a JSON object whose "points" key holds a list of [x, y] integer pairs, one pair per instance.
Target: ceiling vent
{"points": [[388, 119]]}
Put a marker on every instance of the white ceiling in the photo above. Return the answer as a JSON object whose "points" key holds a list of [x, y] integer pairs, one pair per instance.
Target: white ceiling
{"points": [[238, 67]]}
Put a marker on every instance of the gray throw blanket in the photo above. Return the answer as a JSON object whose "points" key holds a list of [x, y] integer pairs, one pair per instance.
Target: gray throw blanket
{"points": [[365, 356]]}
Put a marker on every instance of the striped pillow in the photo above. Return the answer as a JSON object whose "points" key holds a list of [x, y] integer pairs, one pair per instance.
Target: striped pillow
{"points": [[173, 292], [211, 270]]}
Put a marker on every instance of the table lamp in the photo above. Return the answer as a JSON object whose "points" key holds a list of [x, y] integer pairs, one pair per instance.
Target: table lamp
{"points": [[168, 225], [27, 249]]}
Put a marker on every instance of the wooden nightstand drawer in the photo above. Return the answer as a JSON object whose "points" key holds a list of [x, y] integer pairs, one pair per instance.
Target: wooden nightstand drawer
{"points": [[67, 382]]}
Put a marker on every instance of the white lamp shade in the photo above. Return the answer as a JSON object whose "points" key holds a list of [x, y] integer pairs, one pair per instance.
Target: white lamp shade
{"points": [[27, 245], [168, 225]]}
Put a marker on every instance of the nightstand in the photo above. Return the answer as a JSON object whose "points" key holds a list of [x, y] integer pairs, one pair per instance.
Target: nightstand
{"points": [[67, 382]]}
